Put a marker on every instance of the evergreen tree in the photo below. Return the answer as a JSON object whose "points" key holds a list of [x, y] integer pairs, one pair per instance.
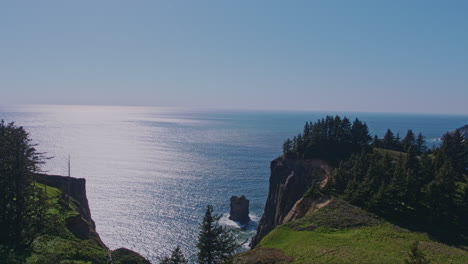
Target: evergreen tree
{"points": [[388, 140], [287, 146], [360, 133], [364, 189], [397, 189], [409, 140], [177, 257], [454, 149], [23, 206], [420, 144], [398, 146], [376, 142], [441, 194], [462, 206], [413, 180], [215, 243], [306, 133]]}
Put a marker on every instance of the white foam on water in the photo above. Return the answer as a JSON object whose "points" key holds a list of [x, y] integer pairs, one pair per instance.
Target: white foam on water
{"points": [[250, 226]]}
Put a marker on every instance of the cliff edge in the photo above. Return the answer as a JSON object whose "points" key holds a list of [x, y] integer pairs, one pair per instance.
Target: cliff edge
{"points": [[75, 229], [289, 181]]}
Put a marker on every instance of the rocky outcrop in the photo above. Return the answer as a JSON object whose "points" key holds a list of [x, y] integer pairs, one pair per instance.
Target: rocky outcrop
{"points": [[239, 210], [75, 187], [82, 225], [289, 180]]}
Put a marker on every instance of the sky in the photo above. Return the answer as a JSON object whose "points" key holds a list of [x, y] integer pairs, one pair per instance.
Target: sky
{"points": [[361, 56]]}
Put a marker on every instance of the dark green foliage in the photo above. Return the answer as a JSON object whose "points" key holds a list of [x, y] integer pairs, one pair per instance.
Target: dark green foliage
{"points": [[416, 256], [313, 192], [409, 140], [331, 138], [392, 142], [215, 243], [397, 179], [441, 194], [127, 256], [177, 257], [420, 144], [23, 206], [389, 140], [429, 189], [455, 151]]}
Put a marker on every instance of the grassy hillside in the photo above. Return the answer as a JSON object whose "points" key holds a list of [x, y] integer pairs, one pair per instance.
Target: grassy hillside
{"points": [[60, 245], [71, 239], [342, 233]]}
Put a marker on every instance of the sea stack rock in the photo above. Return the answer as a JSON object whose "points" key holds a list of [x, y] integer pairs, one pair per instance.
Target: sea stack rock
{"points": [[239, 209]]}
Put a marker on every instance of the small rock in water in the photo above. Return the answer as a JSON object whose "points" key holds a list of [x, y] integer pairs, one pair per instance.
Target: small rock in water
{"points": [[240, 209]]}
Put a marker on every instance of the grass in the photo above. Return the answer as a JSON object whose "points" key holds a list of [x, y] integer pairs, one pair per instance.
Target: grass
{"points": [[59, 245], [338, 214], [372, 244], [126, 256], [342, 233], [392, 153]]}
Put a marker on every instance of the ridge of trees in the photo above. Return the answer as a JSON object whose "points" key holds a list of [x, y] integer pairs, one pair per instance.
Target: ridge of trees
{"points": [[330, 138], [430, 188], [398, 179], [335, 138]]}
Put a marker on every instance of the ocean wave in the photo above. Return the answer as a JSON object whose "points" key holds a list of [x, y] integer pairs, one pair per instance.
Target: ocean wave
{"points": [[250, 226]]}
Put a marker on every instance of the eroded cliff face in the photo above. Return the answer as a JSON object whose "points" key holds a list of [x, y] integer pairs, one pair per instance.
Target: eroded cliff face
{"points": [[82, 225], [289, 180]]}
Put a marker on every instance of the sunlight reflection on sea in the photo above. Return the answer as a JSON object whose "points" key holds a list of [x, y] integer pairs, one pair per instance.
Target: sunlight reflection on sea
{"points": [[151, 171]]}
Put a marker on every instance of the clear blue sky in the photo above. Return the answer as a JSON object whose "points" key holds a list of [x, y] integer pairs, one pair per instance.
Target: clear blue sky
{"points": [[378, 56]]}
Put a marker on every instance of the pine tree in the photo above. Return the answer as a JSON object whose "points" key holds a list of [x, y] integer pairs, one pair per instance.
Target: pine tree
{"points": [[420, 144], [398, 146], [388, 140], [177, 257], [215, 243], [287, 145], [360, 133], [376, 142], [397, 188], [22, 205], [441, 194], [413, 179], [409, 140], [454, 149]]}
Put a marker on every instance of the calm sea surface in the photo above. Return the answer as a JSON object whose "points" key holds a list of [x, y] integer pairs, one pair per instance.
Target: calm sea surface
{"points": [[151, 171]]}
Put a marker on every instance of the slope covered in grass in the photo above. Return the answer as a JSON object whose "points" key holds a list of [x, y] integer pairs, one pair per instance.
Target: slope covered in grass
{"points": [[59, 244], [71, 237], [342, 233]]}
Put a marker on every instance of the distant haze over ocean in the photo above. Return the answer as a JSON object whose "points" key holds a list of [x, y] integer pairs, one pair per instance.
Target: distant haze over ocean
{"points": [[151, 171]]}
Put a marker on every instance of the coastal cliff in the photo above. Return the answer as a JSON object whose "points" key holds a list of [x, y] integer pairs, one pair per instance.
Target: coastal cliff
{"points": [[69, 195], [81, 225], [303, 224], [289, 181]]}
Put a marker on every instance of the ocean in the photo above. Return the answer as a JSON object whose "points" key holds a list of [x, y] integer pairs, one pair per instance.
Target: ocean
{"points": [[151, 171]]}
